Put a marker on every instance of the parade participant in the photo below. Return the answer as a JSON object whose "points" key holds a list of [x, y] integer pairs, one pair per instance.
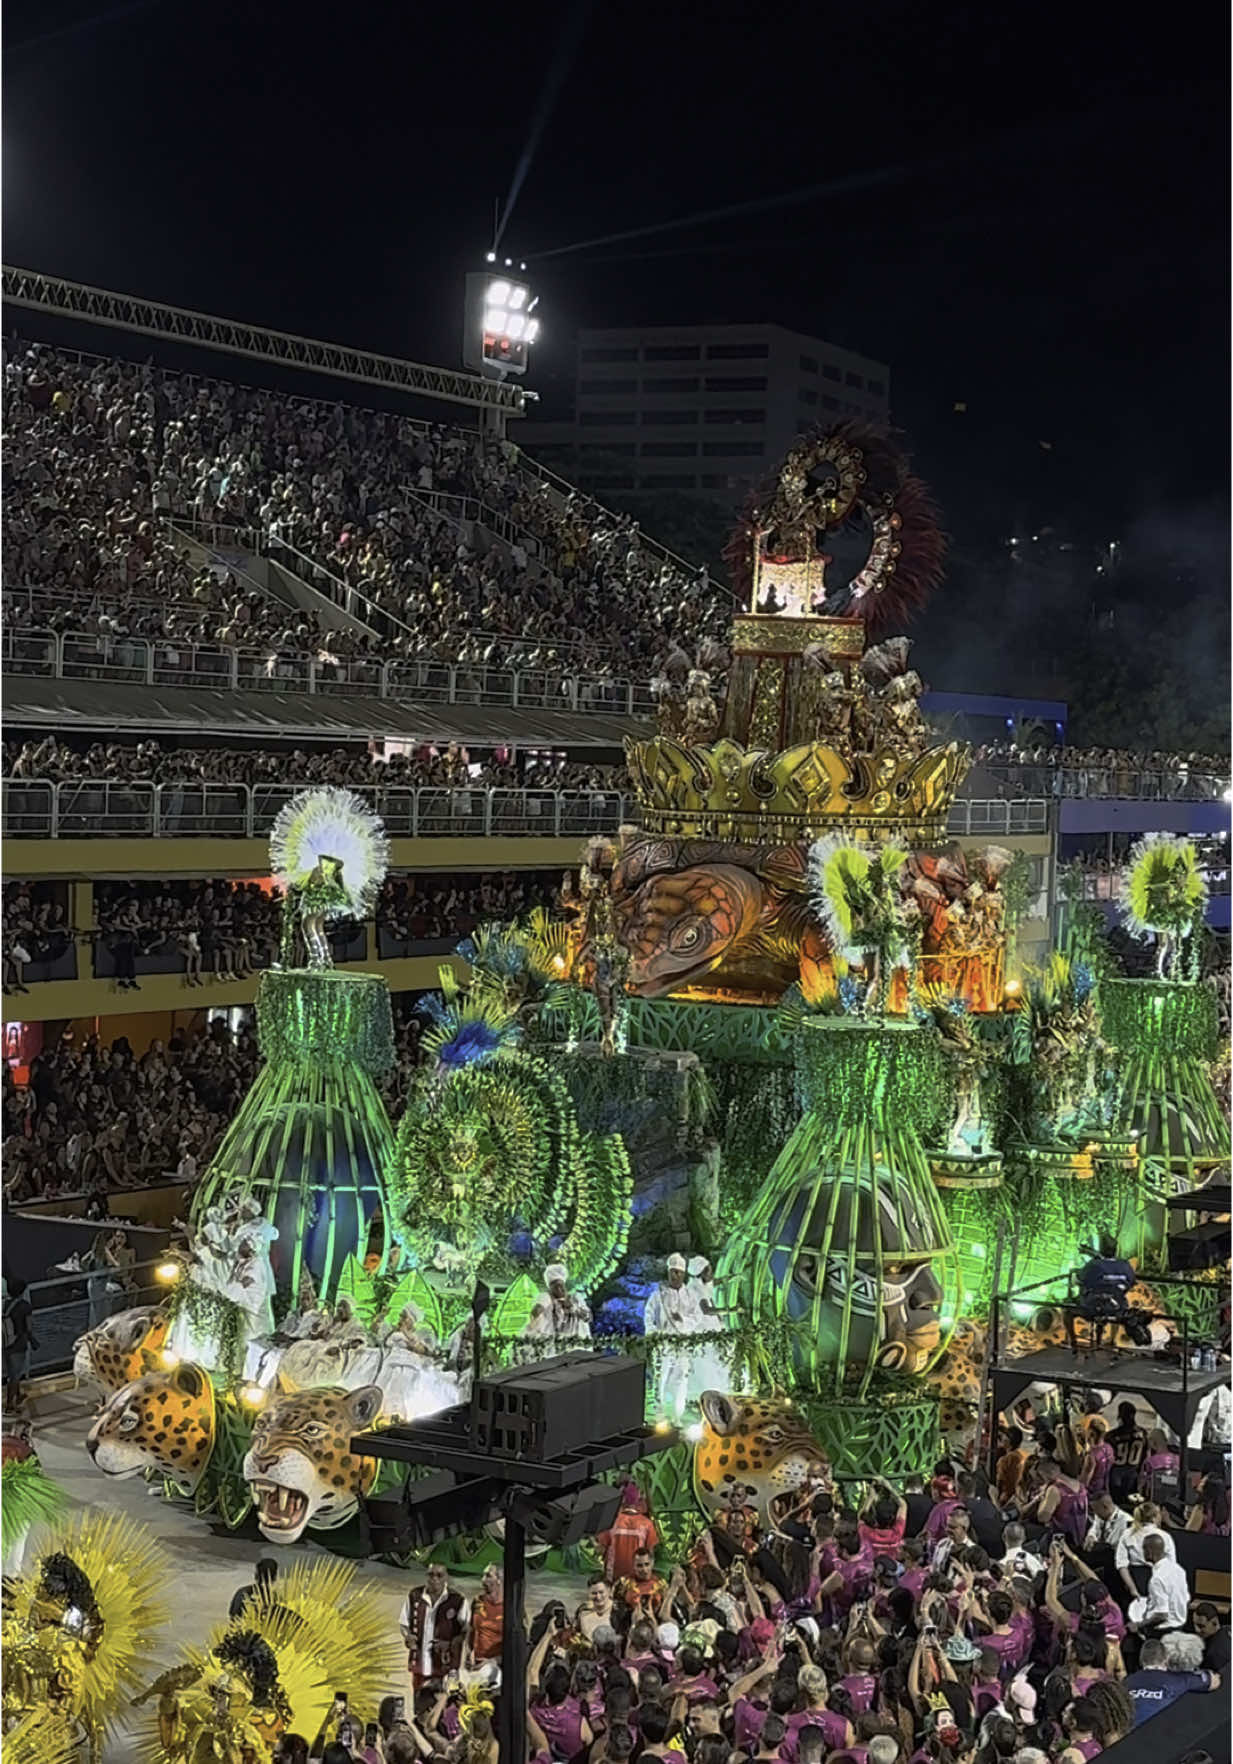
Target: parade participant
{"points": [[597, 1609], [632, 1532], [670, 1312], [708, 1369], [642, 1593], [433, 1622], [558, 1316], [481, 1652]]}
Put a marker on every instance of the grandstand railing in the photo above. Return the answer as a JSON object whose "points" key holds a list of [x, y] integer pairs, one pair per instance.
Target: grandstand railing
{"points": [[110, 808], [349, 599], [459, 507], [164, 661], [1106, 782]]}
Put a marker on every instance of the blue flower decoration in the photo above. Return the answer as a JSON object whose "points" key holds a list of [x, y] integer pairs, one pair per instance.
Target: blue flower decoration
{"points": [[474, 1043], [849, 994], [1084, 981]]}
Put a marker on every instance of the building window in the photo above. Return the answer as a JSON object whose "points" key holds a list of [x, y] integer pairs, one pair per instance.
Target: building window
{"points": [[598, 354], [672, 352], [829, 403], [716, 481], [808, 365], [669, 481], [877, 387], [737, 383], [603, 419], [737, 351], [622, 449], [669, 449], [808, 395], [608, 385], [678, 418], [830, 372], [605, 481], [851, 379], [734, 416], [732, 450], [671, 384]]}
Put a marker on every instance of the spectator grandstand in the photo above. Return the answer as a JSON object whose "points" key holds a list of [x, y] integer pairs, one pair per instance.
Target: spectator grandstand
{"points": [[108, 459]]}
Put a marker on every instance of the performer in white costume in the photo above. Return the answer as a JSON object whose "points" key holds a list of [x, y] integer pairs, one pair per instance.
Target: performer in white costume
{"points": [[708, 1369], [559, 1315], [669, 1312]]}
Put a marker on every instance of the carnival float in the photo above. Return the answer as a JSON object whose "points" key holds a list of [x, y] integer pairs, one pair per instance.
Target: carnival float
{"points": [[760, 1106]]}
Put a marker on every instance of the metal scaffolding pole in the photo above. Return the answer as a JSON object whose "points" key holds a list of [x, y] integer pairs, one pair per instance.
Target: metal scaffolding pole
{"points": [[493, 399]]}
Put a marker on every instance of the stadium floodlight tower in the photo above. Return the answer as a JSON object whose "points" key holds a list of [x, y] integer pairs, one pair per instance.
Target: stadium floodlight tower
{"points": [[499, 320]]}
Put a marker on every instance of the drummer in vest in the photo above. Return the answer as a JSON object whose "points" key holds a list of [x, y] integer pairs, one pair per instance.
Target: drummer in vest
{"points": [[433, 1621]]}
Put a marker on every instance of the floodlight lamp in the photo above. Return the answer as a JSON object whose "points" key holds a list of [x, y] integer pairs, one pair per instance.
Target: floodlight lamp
{"points": [[515, 325], [495, 320], [252, 1396], [532, 330], [693, 1433], [516, 297], [509, 263], [498, 293], [490, 257], [167, 1272], [170, 1359]]}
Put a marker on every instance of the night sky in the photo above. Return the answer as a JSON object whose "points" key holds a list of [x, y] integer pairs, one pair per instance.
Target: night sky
{"points": [[1028, 216]]}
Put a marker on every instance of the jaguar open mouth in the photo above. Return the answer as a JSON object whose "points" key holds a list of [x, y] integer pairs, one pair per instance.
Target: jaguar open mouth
{"points": [[279, 1508]]}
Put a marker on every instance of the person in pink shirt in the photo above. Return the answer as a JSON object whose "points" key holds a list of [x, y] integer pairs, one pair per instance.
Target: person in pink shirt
{"points": [[812, 1690], [884, 1521], [915, 1569], [1098, 1459], [1005, 1638], [859, 1680], [1159, 1465], [939, 1513], [692, 1681], [853, 1571]]}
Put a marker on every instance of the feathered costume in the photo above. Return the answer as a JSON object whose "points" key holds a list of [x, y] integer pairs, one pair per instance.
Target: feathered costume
{"points": [[330, 853], [79, 1627], [1165, 896], [868, 918], [274, 1669], [28, 1498]]}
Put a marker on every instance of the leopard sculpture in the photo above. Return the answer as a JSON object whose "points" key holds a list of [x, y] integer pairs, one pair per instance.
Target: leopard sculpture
{"points": [[763, 1443], [300, 1468], [115, 1352], [162, 1421]]}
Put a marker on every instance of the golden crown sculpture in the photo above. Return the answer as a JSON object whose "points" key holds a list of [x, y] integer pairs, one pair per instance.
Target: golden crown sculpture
{"points": [[817, 732], [729, 792]]}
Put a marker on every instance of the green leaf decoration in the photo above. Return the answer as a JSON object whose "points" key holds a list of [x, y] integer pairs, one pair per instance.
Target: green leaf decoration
{"points": [[358, 1285], [514, 1310], [413, 1289]]}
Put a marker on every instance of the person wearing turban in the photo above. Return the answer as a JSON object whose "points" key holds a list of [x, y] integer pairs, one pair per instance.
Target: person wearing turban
{"points": [[558, 1315]]}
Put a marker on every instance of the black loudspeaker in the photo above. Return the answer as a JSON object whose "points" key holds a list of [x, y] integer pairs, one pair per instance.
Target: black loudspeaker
{"points": [[439, 1506], [567, 1519], [573, 1400], [1199, 1246]]}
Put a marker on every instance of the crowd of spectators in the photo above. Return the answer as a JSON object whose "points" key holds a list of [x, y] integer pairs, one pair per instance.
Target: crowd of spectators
{"points": [[101, 454], [1037, 1618], [94, 1119], [36, 929], [448, 765], [1101, 772], [222, 929]]}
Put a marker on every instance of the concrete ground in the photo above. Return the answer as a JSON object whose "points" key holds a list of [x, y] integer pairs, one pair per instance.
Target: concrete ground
{"points": [[206, 1569]]}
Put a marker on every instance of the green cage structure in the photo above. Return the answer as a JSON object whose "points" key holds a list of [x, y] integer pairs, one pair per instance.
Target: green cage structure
{"points": [[312, 1137], [1163, 1033], [848, 1244]]}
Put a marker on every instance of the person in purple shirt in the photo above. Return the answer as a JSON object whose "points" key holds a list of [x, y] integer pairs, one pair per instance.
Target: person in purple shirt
{"points": [[853, 1571], [1153, 1688], [558, 1717]]}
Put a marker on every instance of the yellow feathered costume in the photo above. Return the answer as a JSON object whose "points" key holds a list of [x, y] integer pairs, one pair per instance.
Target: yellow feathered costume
{"points": [[274, 1669], [78, 1630]]}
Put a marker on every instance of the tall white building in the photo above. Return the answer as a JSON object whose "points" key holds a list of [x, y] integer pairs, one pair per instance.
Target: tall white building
{"points": [[703, 408]]}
